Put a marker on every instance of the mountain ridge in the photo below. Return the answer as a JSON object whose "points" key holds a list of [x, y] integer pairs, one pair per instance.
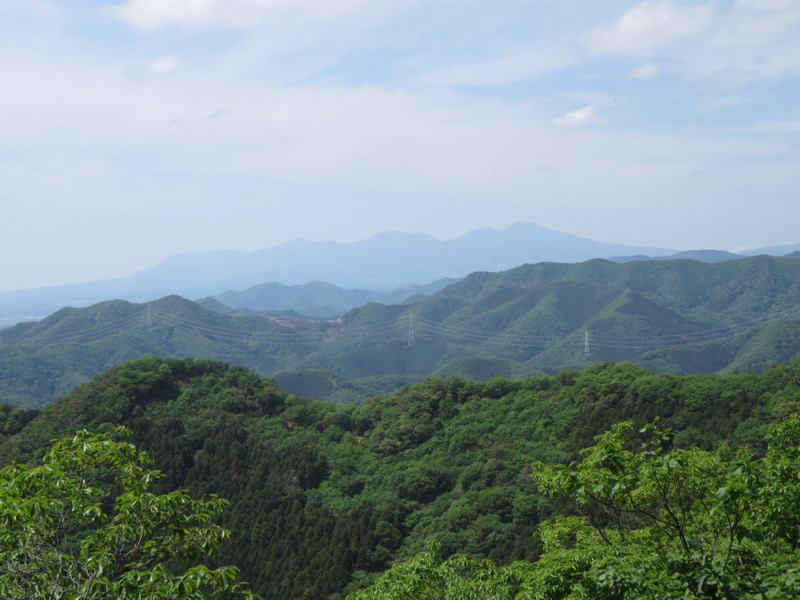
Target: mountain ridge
{"points": [[384, 262], [387, 261], [679, 316], [316, 299]]}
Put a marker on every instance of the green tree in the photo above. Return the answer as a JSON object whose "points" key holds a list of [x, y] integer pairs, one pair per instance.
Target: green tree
{"points": [[652, 521], [84, 524], [660, 522], [428, 576]]}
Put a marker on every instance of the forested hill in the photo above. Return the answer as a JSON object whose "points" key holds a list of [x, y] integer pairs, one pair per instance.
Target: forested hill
{"points": [[316, 300], [42, 361], [678, 316], [325, 496]]}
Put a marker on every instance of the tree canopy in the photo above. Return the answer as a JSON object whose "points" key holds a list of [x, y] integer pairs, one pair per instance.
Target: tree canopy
{"points": [[85, 524], [326, 497], [651, 521]]}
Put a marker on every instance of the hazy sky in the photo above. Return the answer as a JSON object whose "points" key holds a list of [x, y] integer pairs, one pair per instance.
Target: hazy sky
{"points": [[135, 129]]}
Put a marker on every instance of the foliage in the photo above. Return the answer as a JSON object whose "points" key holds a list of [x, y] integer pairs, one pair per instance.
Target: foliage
{"points": [[428, 576], [326, 497], [654, 522], [675, 523], [327, 385], [45, 360], [84, 524]]}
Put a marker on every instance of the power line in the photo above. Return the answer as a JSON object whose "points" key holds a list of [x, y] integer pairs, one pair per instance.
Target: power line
{"points": [[84, 335], [242, 330]]}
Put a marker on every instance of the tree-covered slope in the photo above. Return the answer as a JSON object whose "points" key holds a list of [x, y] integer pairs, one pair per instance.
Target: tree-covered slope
{"points": [[325, 496], [42, 361], [650, 521], [677, 316], [316, 299]]}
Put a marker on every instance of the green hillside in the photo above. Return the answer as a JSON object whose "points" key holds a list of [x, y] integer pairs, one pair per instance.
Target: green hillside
{"points": [[677, 316], [42, 361], [326, 496], [316, 300]]}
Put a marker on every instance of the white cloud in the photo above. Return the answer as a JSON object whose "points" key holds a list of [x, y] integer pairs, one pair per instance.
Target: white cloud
{"points": [[749, 45], [307, 121], [759, 24], [777, 126], [738, 43], [165, 64], [220, 113], [651, 24], [766, 5], [645, 71], [155, 14], [579, 117], [39, 9], [502, 71]]}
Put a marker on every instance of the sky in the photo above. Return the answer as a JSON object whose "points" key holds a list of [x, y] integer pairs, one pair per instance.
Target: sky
{"points": [[132, 130]]}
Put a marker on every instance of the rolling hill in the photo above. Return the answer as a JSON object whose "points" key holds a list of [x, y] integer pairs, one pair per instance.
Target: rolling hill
{"points": [[388, 261], [324, 497], [678, 316], [315, 300]]}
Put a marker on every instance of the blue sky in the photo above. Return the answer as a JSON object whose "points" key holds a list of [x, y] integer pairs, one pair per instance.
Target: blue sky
{"points": [[133, 130]]}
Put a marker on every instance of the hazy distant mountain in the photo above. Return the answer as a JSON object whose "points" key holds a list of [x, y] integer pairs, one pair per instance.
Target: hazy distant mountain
{"points": [[315, 299], [706, 256], [385, 262], [388, 261], [782, 250]]}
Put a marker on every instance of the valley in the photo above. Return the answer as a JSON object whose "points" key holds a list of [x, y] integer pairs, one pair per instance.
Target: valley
{"points": [[368, 440], [676, 316]]}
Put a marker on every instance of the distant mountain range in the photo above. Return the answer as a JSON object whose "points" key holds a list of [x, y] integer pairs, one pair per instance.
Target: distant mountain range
{"points": [[386, 262], [707, 256], [316, 300], [676, 316]]}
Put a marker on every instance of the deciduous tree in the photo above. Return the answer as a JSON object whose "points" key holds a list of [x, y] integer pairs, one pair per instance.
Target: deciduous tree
{"points": [[84, 524]]}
